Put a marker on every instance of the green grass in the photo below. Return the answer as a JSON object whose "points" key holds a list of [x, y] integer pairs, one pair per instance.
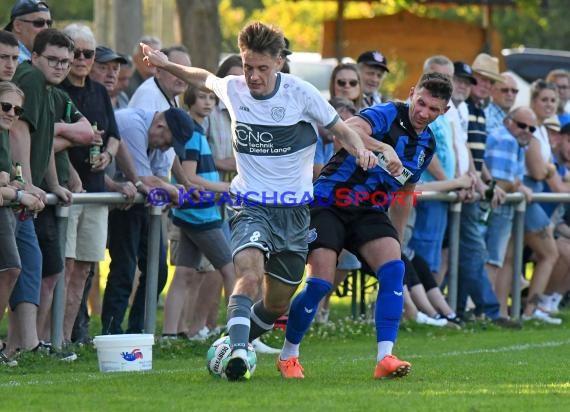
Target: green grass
{"points": [[480, 368]]}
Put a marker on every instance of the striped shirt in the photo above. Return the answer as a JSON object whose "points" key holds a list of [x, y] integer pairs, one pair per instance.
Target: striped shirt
{"points": [[503, 156], [476, 133]]}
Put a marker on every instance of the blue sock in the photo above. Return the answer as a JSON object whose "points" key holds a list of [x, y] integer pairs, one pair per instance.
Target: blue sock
{"points": [[304, 308], [390, 301]]}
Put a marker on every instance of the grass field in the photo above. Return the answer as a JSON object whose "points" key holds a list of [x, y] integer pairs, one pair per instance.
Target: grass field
{"points": [[480, 368]]}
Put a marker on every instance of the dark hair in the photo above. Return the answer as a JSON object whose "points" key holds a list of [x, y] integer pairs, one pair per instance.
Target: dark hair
{"points": [[191, 94], [179, 48], [52, 37], [439, 85], [346, 66], [261, 38], [233, 60], [8, 38], [539, 85]]}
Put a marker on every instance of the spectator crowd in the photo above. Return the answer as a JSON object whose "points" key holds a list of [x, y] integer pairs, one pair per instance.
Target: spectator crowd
{"points": [[77, 116]]}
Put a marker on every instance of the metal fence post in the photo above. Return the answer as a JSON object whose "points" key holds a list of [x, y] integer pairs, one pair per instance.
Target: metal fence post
{"points": [[518, 244], [151, 298], [58, 304], [453, 223]]}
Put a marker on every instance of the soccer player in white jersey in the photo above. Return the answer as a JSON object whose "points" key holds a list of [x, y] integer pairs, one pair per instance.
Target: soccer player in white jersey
{"points": [[274, 118]]}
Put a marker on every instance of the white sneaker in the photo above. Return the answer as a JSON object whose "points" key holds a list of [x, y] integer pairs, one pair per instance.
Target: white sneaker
{"points": [[424, 319], [542, 317], [202, 335], [261, 347], [322, 316]]}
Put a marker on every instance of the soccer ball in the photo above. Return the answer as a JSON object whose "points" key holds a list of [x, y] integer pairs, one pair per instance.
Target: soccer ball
{"points": [[219, 351]]}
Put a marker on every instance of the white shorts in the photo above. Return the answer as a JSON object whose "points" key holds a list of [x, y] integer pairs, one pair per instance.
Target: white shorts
{"points": [[87, 233]]}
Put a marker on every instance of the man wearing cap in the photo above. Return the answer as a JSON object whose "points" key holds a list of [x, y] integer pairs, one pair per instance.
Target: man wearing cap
{"points": [[27, 19], [503, 96], [372, 66], [147, 135], [473, 278], [106, 67]]}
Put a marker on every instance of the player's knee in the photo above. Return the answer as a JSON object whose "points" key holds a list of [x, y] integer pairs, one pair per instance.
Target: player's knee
{"points": [[277, 308], [288, 267]]}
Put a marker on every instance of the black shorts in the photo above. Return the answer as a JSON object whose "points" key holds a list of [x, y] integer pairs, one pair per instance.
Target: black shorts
{"points": [[48, 239], [335, 227]]}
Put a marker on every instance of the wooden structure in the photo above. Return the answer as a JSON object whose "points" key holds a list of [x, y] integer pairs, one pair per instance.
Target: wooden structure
{"points": [[408, 39]]}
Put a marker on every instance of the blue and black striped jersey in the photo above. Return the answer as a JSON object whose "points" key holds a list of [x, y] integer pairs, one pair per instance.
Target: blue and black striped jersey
{"points": [[391, 125]]}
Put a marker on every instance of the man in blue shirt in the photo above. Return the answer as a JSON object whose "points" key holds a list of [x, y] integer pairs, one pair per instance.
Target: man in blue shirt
{"points": [[27, 19]]}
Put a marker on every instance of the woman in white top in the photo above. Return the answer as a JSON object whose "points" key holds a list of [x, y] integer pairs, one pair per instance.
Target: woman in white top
{"points": [[538, 229]]}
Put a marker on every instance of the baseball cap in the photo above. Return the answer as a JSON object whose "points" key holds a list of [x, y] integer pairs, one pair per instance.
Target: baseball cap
{"points": [[373, 58], [104, 54], [181, 126], [23, 7], [462, 69]]}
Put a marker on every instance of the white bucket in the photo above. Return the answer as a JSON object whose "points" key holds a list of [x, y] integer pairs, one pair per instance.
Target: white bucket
{"points": [[124, 353]]}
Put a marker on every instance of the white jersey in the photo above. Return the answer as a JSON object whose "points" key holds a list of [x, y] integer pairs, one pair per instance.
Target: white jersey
{"points": [[274, 137]]}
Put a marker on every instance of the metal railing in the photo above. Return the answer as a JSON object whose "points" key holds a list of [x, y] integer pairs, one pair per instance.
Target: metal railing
{"points": [[155, 212]]}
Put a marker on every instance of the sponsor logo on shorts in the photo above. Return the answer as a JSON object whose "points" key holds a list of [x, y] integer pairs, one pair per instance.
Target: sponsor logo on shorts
{"points": [[312, 235]]}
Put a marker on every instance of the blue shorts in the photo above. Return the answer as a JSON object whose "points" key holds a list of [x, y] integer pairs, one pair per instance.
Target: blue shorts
{"points": [[498, 234], [535, 218], [27, 288], [429, 231]]}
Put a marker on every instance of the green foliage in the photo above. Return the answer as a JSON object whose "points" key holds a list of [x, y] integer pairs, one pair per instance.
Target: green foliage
{"points": [[60, 10]]}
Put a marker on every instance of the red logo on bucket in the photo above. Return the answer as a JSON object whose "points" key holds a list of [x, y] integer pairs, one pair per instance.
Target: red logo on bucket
{"points": [[133, 356]]}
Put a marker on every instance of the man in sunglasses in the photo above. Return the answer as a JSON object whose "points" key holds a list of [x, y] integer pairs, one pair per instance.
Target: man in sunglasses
{"points": [[503, 96], [505, 159], [27, 19]]}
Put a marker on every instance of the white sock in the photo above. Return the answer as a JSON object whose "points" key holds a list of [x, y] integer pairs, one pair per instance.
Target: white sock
{"points": [[384, 348], [290, 350]]}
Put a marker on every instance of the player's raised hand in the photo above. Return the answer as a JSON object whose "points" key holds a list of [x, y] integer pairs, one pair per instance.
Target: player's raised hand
{"points": [[366, 159], [153, 57], [388, 160]]}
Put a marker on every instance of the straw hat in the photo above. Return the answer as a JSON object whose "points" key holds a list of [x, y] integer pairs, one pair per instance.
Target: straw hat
{"points": [[552, 123], [487, 66]]}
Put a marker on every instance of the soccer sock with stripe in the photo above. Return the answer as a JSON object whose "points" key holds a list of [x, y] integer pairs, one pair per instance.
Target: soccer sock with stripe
{"points": [[239, 312], [261, 320], [389, 305], [303, 310]]}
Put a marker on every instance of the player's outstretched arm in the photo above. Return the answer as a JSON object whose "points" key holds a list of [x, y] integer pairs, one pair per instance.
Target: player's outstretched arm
{"points": [[193, 75], [354, 145], [362, 128]]}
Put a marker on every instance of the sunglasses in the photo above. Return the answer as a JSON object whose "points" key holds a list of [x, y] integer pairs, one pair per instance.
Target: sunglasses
{"points": [[39, 23], [509, 89], [343, 83], [85, 52], [524, 126], [6, 107]]}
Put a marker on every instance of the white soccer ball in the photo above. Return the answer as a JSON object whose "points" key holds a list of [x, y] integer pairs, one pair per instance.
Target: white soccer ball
{"points": [[221, 350]]}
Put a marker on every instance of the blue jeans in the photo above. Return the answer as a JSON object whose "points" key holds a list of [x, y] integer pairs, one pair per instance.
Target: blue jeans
{"points": [[27, 288], [128, 235], [473, 279], [429, 231]]}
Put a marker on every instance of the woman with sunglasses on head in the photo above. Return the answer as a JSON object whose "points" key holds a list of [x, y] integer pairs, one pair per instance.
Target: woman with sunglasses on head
{"points": [[13, 200], [345, 82], [538, 228]]}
